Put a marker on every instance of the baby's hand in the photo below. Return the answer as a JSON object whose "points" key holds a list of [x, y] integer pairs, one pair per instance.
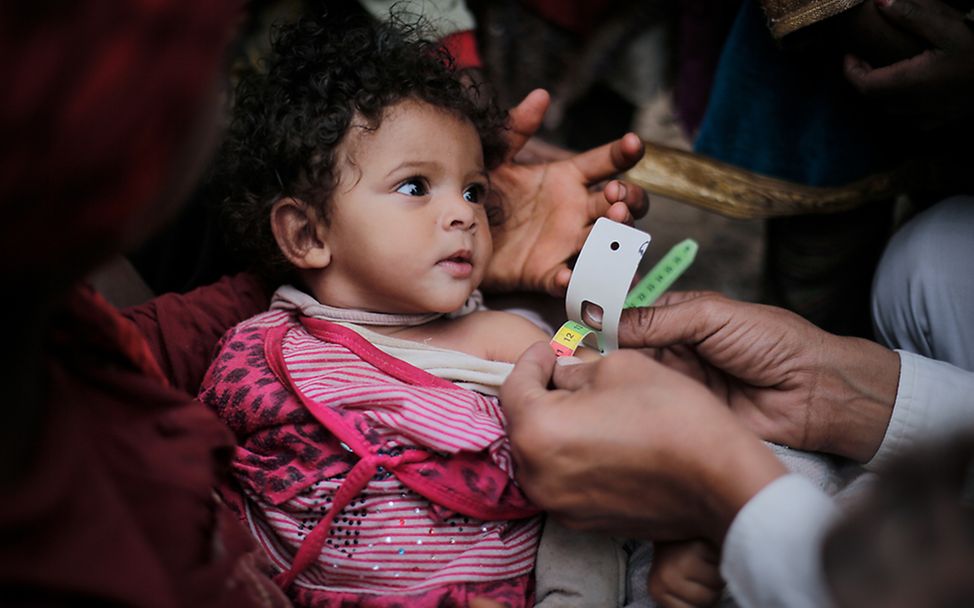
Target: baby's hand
{"points": [[685, 574]]}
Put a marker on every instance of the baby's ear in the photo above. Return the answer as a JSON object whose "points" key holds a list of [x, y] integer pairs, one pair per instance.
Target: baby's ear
{"points": [[299, 233]]}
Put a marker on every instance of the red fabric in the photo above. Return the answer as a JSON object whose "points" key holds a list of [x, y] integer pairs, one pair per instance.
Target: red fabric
{"points": [[290, 444], [97, 97], [113, 504], [118, 507], [445, 480], [182, 330], [98, 327], [463, 47]]}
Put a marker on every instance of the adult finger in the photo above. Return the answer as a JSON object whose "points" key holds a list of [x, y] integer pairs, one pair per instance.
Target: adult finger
{"points": [[895, 79], [935, 21], [571, 376], [635, 198], [529, 379], [525, 119], [560, 280], [598, 207], [605, 161], [675, 297], [687, 322], [618, 212]]}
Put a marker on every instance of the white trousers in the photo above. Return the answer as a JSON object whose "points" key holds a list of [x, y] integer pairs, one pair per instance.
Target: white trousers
{"points": [[923, 292]]}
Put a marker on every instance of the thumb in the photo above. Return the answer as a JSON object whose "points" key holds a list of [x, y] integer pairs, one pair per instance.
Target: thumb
{"points": [[933, 20], [528, 381], [525, 119], [680, 321]]}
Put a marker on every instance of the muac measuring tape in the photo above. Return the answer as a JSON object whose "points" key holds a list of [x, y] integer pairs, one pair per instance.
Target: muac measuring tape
{"points": [[572, 334]]}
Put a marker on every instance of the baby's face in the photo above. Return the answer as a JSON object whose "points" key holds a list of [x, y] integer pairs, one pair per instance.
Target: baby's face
{"points": [[408, 231]]}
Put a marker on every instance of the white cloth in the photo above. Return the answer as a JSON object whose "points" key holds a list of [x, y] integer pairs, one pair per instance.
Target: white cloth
{"points": [[934, 401], [923, 291], [444, 16], [462, 369], [772, 552], [459, 368]]}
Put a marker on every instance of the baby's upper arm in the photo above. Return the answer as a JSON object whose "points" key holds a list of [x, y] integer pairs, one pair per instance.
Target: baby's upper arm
{"points": [[507, 335]]}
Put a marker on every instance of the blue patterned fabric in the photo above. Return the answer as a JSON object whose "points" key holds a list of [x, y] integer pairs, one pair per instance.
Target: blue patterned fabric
{"points": [[788, 116]]}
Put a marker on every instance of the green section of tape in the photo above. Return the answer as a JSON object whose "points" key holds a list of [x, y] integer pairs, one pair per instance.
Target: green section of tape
{"points": [[578, 328], [663, 274]]}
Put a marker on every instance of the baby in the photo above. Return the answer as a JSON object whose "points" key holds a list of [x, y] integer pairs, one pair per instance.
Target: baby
{"points": [[372, 464]]}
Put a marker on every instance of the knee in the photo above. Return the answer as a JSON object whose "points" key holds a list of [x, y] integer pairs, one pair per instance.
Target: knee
{"points": [[924, 260]]}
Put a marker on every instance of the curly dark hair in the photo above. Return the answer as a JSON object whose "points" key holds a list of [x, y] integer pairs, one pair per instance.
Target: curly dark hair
{"points": [[289, 117]]}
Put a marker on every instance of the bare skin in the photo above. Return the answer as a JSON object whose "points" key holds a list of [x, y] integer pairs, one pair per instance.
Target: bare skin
{"points": [[787, 380], [685, 574], [615, 446], [933, 87], [548, 208]]}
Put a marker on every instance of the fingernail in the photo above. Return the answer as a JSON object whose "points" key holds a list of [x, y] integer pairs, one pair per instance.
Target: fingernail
{"points": [[884, 3], [568, 361], [622, 190], [592, 315]]}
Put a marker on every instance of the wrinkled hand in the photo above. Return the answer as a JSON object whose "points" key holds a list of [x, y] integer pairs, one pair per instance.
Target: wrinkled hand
{"points": [[547, 209], [685, 574], [933, 88], [628, 446], [789, 381]]}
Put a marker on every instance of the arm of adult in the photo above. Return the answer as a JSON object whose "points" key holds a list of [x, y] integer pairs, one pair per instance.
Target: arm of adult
{"points": [[789, 381], [795, 384], [183, 329], [628, 446], [934, 87], [547, 209]]}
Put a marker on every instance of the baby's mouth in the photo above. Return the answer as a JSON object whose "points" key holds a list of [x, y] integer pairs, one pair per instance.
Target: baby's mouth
{"points": [[462, 258], [458, 265]]}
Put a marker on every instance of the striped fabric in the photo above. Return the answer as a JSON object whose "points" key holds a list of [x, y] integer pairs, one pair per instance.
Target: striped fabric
{"points": [[390, 541]]}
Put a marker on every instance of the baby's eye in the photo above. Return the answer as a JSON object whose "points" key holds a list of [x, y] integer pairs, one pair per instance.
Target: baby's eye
{"points": [[413, 186], [475, 193]]}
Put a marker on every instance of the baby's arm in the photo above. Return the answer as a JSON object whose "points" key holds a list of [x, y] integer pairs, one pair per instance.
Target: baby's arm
{"points": [[504, 336], [685, 574]]}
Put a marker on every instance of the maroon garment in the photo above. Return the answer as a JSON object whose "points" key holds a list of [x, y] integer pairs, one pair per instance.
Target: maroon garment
{"points": [[97, 99], [110, 500], [183, 329], [118, 506]]}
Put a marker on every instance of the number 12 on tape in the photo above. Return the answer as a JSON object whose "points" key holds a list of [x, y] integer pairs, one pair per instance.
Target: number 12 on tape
{"points": [[569, 337], [663, 274]]}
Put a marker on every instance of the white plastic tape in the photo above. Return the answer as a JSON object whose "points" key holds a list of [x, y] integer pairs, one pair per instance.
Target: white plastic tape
{"points": [[602, 275]]}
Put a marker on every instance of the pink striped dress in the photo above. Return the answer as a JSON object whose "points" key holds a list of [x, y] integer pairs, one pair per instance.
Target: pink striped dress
{"points": [[368, 481]]}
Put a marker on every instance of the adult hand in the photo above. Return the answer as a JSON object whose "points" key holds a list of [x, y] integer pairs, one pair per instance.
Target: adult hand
{"points": [[933, 88], [547, 209], [628, 446], [789, 381]]}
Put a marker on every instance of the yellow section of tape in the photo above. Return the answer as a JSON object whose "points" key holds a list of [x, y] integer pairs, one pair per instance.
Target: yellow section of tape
{"points": [[569, 337]]}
